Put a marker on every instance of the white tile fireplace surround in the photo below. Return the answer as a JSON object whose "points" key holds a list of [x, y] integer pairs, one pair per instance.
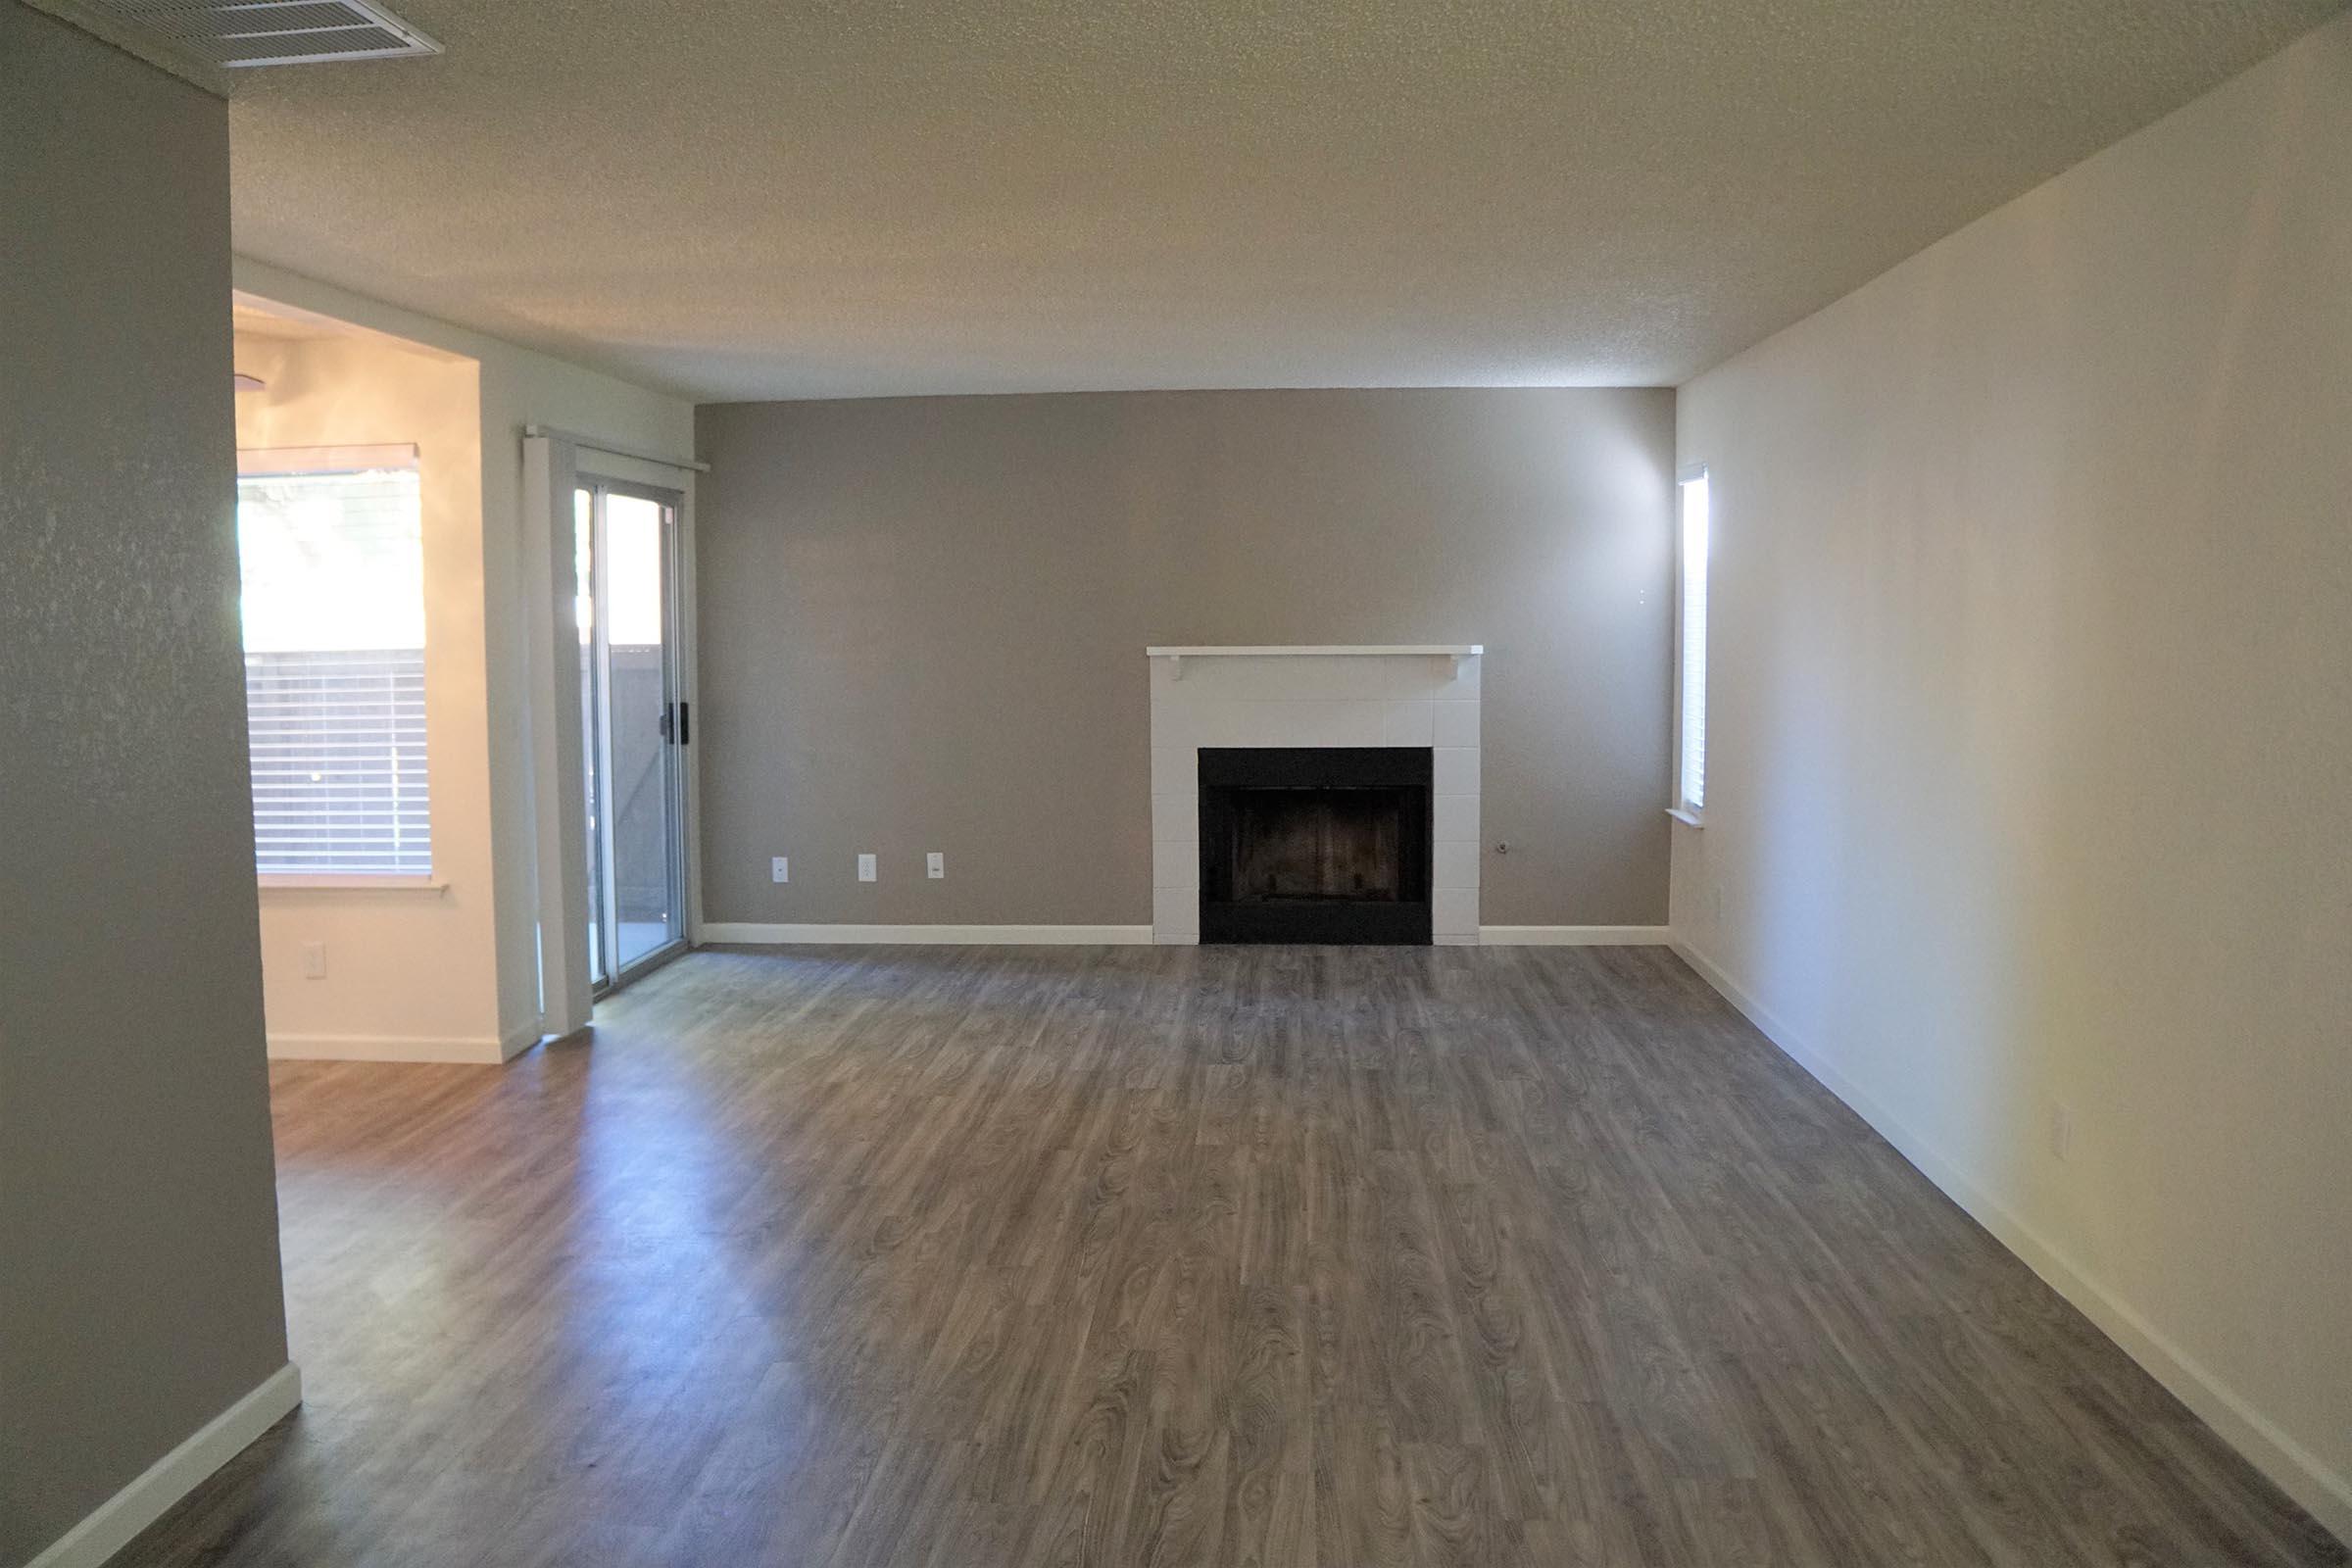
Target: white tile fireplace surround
{"points": [[1419, 694]]}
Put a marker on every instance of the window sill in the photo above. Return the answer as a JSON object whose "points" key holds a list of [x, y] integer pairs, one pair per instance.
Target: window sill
{"points": [[291, 882], [1686, 817]]}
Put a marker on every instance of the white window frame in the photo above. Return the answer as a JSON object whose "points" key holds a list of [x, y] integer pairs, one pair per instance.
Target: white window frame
{"points": [[297, 459], [1689, 802]]}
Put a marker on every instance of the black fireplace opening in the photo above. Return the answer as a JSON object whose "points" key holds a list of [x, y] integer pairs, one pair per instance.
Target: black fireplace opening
{"points": [[1315, 844]]}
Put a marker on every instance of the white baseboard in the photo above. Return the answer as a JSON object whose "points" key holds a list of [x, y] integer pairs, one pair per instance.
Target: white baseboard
{"points": [[746, 933], [2298, 1472], [756, 934], [110, 1527], [1574, 936], [484, 1051]]}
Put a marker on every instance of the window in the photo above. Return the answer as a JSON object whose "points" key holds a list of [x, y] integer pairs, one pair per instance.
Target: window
{"points": [[1691, 660], [331, 544]]}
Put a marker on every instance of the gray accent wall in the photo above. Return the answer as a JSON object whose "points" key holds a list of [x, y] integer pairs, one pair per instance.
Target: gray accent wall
{"points": [[922, 625], [139, 1288]]}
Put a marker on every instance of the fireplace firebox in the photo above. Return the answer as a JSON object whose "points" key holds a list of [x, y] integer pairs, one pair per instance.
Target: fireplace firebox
{"points": [[1315, 844]]}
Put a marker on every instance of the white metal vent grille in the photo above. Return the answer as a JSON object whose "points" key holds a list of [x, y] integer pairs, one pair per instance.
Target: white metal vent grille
{"points": [[273, 33]]}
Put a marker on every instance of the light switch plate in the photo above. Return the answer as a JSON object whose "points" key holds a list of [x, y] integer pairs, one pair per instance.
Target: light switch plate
{"points": [[779, 870], [934, 865], [865, 869], [313, 960]]}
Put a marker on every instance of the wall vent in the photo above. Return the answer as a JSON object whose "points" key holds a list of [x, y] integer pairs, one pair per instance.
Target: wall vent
{"points": [[270, 32]]}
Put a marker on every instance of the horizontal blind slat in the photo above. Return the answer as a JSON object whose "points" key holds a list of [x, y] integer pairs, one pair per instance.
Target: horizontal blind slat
{"points": [[338, 766]]}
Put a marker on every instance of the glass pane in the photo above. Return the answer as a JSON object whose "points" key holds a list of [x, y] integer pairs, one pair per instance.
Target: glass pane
{"points": [[583, 564], [638, 794], [333, 561], [1695, 643]]}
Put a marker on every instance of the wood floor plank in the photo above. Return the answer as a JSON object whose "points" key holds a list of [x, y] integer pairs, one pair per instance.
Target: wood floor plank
{"points": [[1334, 1257]]}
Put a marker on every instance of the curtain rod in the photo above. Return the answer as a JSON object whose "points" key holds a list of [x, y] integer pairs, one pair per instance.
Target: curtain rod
{"points": [[557, 433]]}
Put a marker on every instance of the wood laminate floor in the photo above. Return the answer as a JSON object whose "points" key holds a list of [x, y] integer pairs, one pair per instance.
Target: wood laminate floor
{"points": [[965, 1258]]}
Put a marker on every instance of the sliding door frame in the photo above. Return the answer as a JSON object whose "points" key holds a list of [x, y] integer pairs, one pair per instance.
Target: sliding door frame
{"points": [[556, 464], [604, 878]]}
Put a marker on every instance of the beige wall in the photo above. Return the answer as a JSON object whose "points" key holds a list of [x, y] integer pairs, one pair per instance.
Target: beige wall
{"points": [[2033, 614], [139, 1292], [923, 623], [516, 387], [365, 390]]}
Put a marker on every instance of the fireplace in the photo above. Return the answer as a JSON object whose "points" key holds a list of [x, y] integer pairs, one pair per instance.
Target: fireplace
{"points": [[1403, 819], [1315, 844]]}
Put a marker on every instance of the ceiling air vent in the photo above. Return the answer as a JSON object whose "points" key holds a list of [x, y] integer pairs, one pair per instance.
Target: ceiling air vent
{"points": [[273, 33]]}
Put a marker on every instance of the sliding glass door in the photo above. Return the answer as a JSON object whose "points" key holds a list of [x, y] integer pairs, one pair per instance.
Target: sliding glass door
{"points": [[633, 725]]}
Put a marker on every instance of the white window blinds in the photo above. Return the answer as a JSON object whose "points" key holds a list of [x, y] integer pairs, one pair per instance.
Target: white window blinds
{"points": [[330, 541]]}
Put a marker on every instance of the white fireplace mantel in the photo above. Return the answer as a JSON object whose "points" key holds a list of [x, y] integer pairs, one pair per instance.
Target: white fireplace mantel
{"points": [[1322, 651], [1453, 653], [1408, 694]]}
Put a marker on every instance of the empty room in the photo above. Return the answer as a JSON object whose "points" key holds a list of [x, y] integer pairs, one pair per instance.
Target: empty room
{"points": [[1323, 783]]}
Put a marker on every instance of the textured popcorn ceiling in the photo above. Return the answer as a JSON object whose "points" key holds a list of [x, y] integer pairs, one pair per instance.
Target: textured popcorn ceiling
{"points": [[773, 198]]}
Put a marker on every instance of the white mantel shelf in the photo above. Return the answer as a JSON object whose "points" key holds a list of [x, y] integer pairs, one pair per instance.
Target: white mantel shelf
{"points": [[1369, 650], [1452, 653]]}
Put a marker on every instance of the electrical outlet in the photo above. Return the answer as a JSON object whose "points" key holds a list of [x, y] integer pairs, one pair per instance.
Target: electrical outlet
{"points": [[2062, 1132], [934, 865], [865, 869], [313, 960], [779, 870]]}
